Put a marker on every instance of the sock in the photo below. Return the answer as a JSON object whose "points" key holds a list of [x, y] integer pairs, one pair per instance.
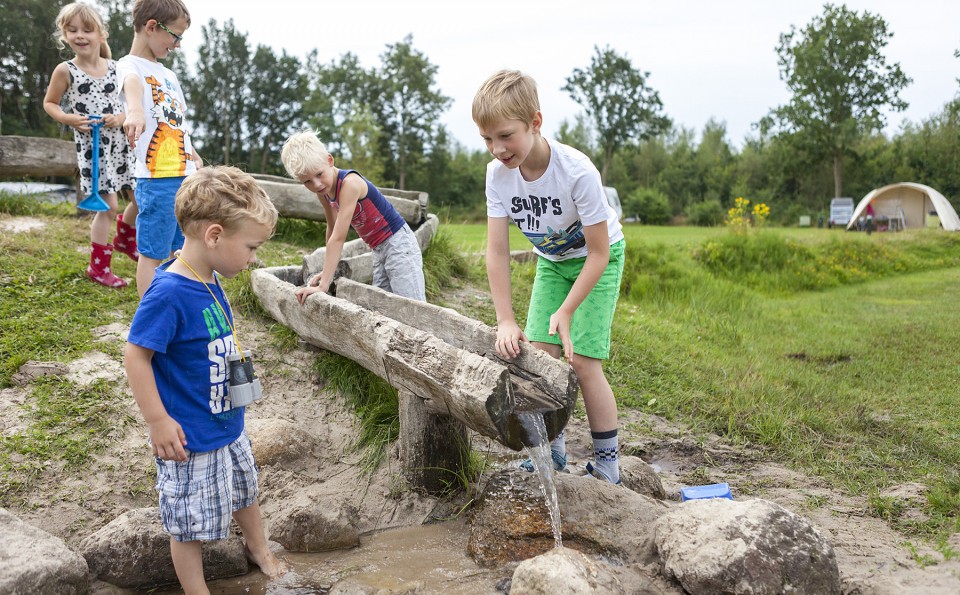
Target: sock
{"points": [[606, 453]]}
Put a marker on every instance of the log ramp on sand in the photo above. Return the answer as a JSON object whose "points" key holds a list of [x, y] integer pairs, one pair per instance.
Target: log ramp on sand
{"points": [[443, 364]]}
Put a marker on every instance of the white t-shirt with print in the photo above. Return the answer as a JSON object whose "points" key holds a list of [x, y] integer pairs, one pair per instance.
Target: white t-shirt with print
{"points": [[552, 210], [164, 150]]}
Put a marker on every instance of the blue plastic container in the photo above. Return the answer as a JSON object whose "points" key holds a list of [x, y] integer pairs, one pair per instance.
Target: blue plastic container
{"points": [[716, 490]]}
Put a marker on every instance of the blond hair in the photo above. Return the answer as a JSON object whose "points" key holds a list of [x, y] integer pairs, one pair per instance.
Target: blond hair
{"points": [[506, 95], [89, 16], [303, 153], [225, 195], [162, 11]]}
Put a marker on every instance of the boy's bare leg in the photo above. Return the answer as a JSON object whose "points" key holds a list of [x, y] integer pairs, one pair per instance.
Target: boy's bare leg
{"points": [[131, 211], [257, 549], [188, 562], [598, 397], [146, 269]]}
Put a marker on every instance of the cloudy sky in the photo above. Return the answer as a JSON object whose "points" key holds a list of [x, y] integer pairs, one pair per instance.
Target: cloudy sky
{"points": [[707, 59]]}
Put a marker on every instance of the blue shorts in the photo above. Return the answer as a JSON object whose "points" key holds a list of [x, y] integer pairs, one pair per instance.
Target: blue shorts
{"points": [[158, 234], [198, 496], [590, 327]]}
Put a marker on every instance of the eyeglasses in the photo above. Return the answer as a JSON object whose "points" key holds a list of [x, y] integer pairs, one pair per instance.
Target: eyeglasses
{"points": [[176, 38]]}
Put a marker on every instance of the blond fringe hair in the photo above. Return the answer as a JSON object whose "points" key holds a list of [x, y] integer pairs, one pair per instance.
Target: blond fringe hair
{"points": [[303, 153], [506, 95]]}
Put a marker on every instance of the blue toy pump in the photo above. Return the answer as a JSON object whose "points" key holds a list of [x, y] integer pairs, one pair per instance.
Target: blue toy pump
{"points": [[95, 202]]}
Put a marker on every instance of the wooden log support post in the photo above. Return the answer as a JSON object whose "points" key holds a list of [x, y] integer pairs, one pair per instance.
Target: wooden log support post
{"points": [[433, 448]]}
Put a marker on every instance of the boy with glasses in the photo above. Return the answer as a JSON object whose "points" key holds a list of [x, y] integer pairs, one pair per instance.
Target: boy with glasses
{"points": [[156, 128]]}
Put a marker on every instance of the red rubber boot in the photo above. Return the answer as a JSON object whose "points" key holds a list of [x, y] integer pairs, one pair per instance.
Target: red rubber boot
{"points": [[99, 269], [126, 240]]}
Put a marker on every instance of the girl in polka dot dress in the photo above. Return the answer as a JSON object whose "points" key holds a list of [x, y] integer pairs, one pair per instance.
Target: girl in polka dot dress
{"points": [[80, 88]]}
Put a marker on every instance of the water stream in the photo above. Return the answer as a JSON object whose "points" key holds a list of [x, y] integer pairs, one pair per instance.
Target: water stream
{"points": [[539, 451]]}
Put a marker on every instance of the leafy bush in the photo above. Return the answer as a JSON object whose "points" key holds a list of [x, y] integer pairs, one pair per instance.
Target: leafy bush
{"points": [[706, 214], [648, 205]]}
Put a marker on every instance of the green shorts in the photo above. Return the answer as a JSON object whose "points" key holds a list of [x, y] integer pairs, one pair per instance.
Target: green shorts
{"points": [[590, 328]]}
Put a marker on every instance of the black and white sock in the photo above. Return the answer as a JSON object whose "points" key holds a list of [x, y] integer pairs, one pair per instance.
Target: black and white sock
{"points": [[606, 453]]}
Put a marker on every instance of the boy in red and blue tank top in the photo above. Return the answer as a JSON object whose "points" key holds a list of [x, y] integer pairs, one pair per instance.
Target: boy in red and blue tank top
{"points": [[348, 199]]}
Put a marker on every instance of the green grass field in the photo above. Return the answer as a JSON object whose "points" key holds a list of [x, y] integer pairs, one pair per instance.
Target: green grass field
{"points": [[472, 237]]}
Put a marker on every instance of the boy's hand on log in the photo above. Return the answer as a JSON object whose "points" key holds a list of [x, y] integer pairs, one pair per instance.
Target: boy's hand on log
{"points": [[303, 292], [509, 337], [560, 323]]}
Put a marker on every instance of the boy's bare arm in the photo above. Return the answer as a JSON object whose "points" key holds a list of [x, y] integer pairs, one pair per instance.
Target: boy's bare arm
{"points": [[509, 334], [166, 436], [350, 192], [136, 122]]}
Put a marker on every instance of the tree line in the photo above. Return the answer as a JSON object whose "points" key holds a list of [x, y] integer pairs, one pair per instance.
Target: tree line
{"points": [[385, 120]]}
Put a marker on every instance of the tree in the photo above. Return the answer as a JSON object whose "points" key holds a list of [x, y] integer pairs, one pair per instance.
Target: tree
{"points": [[840, 81], [579, 135], [119, 21], [28, 55], [407, 105], [218, 94], [616, 96], [340, 91], [361, 136], [275, 108]]}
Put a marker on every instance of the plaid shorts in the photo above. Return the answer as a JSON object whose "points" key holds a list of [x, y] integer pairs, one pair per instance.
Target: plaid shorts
{"points": [[199, 495], [590, 327]]}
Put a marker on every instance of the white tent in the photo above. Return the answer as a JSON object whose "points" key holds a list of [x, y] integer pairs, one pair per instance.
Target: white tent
{"points": [[907, 205]]}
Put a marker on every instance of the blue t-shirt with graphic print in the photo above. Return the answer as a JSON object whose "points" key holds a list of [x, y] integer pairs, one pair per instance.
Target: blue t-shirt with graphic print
{"points": [[180, 321]]}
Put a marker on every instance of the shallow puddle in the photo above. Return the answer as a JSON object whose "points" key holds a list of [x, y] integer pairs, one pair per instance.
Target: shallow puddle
{"points": [[426, 559]]}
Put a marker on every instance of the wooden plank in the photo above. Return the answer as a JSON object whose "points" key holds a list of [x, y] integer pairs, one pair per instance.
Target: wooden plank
{"points": [[541, 381], [474, 389], [36, 156]]}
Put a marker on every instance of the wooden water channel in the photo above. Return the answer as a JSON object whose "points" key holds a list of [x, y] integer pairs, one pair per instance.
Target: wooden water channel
{"points": [[443, 365]]}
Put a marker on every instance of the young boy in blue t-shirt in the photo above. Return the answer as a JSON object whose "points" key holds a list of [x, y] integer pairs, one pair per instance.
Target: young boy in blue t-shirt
{"points": [[176, 361]]}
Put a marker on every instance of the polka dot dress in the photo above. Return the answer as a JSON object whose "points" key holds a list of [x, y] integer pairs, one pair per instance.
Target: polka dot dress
{"points": [[89, 95]]}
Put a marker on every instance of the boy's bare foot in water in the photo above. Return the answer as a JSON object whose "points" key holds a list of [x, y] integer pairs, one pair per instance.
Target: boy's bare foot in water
{"points": [[269, 564]]}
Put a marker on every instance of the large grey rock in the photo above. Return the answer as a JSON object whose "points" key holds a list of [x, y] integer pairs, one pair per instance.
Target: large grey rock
{"points": [[511, 522], [133, 551], [279, 442], [34, 562], [563, 571], [312, 522], [751, 547], [640, 477]]}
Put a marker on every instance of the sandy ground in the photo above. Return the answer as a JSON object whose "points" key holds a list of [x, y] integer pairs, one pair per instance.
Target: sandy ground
{"points": [[72, 504]]}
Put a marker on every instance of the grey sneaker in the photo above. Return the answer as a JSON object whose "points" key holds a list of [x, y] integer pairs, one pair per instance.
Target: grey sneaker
{"points": [[594, 472]]}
